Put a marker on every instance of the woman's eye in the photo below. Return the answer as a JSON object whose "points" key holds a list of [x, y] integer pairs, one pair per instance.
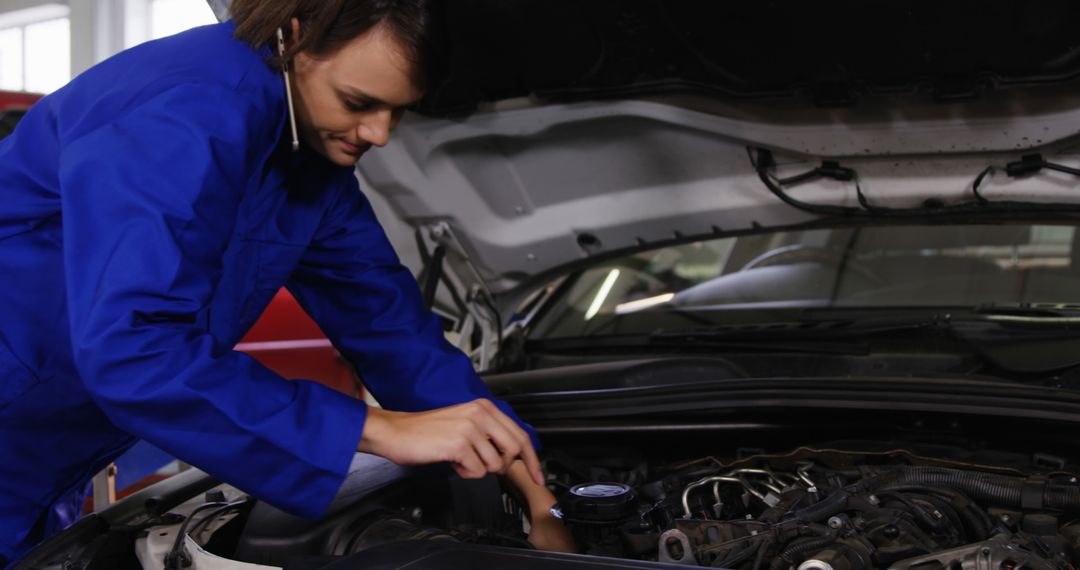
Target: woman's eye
{"points": [[358, 106]]}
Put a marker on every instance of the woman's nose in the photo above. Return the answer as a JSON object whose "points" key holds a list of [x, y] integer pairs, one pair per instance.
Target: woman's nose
{"points": [[375, 128]]}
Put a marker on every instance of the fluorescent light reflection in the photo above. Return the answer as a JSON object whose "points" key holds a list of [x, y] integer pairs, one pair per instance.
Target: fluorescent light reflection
{"points": [[634, 306], [601, 295]]}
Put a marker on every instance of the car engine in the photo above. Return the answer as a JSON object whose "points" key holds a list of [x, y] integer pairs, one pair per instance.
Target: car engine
{"points": [[827, 512], [805, 509]]}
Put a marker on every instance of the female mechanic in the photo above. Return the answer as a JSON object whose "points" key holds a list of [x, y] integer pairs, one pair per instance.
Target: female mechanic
{"points": [[155, 204]]}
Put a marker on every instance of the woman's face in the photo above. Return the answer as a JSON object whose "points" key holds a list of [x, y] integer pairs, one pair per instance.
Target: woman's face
{"points": [[350, 100]]}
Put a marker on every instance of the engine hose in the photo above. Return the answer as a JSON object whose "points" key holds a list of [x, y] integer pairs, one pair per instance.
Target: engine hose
{"points": [[919, 513], [1014, 492], [818, 512], [975, 519], [953, 520], [765, 546], [790, 555], [787, 501], [740, 556], [792, 529]]}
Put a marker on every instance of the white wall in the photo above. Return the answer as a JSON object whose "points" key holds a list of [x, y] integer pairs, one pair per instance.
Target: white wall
{"points": [[101, 28], [97, 31]]}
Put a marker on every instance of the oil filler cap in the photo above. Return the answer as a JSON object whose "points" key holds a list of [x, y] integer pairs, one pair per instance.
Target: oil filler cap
{"points": [[598, 503]]}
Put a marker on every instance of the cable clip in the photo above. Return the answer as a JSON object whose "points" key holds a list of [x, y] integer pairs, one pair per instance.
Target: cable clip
{"points": [[1027, 165]]}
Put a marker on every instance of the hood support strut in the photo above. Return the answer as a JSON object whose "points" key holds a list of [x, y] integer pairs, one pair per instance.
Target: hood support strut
{"points": [[449, 263]]}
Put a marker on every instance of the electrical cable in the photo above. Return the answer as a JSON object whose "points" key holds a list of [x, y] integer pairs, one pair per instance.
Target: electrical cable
{"points": [[177, 557], [764, 162], [205, 521]]}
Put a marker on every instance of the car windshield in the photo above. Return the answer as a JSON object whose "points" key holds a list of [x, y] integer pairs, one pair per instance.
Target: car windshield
{"points": [[687, 286]]}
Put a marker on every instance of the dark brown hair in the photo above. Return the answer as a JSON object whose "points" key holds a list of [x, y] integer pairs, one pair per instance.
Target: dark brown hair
{"points": [[327, 25]]}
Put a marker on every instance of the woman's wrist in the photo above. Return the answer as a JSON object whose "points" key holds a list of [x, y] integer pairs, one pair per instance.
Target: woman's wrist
{"points": [[538, 498], [378, 428]]}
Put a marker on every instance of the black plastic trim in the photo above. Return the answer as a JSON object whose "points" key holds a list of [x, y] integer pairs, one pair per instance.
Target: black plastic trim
{"points": [[969, 397], [67, 548]]}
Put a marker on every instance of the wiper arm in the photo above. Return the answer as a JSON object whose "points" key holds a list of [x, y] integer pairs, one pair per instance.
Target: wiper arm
{"points": [[830, 328], [769, 342], [1029, 313], [697, 341], [1022, 338], [1019, 338]]}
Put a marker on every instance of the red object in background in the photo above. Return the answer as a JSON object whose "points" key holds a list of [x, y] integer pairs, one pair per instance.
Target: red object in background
{"points": [[17, 99], [287, 341]]}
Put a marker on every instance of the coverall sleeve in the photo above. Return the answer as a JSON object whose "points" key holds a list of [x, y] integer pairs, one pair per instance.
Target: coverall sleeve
{"points": [[352, 284], [149, 205]]}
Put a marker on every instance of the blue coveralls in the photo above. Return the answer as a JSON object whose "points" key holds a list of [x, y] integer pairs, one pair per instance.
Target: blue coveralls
{"points": [[148, 216]]}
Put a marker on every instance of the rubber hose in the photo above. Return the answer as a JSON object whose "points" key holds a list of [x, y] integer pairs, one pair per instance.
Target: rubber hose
{"points": [[765, 546], [920, 514], [787, 557], [995, 489], [975, 520], [774, 514], [738, 557], [818, 512]]}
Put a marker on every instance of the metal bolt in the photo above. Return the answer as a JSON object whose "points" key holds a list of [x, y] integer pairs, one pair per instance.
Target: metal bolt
{"points": [[874, 500], [937, 514], [1072, 479], [753, 533], [835, 522], [749, 517], [1005, 518], [417, 514]]}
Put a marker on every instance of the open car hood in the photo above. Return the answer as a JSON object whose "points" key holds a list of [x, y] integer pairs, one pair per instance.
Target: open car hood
{"points": [[522, 190], [598, 126], [560, 131]]}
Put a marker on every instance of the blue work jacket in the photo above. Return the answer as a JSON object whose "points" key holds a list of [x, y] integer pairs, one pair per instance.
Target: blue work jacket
{"points": [[149, 214]]}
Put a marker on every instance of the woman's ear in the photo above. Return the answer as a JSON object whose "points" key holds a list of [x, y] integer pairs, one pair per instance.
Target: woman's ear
{"points": [[298, 59], [294, 27]]}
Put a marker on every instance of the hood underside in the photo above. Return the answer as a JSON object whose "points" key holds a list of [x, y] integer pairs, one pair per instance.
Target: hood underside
{"points": [[562, 130], [525, 190], [598, 126], [831, 53]]}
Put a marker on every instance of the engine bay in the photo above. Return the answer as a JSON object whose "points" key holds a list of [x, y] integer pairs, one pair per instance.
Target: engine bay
{"points": [[834, 506], [817, 509]]}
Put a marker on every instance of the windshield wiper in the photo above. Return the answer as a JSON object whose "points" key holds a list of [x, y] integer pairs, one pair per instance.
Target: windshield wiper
{"points": [[826, 336], [1019, 338], [831, 328], [1030, 313], [698, 340]]}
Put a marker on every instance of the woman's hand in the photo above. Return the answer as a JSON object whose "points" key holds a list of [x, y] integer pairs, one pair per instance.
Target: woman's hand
{"points": [[548, 533], [476, 438]]}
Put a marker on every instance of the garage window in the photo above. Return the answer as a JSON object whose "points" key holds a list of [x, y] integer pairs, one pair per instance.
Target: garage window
{"points": [[35, 48], [152, 19]]}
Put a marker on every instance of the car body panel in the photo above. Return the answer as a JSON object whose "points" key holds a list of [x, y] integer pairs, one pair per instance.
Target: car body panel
{"points": [[527, 190]]}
